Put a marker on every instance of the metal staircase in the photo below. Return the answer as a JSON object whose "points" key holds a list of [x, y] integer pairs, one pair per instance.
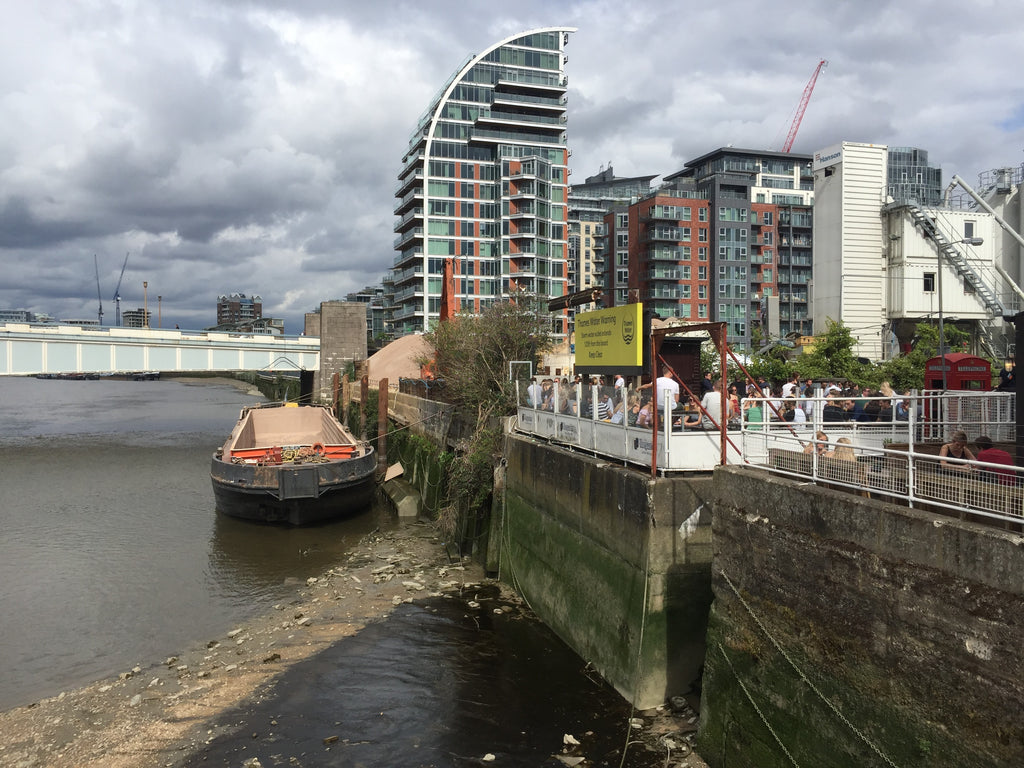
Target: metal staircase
{"points": [[956, 259]]}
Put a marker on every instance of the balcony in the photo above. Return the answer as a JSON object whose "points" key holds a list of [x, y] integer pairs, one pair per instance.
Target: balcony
{"points": [[405, 275], [549, 86], [408, 256], [497, 119], [664, 274], [673, 255], [415, 213], [416, 233], [413, 197], [480, 136], [667, 235], [403, 185], [531, 101]]}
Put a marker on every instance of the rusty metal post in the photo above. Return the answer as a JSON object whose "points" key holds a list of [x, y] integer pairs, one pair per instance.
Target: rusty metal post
{"points": [[382, 423], [364, 396], [335, 388], [346, 398]]}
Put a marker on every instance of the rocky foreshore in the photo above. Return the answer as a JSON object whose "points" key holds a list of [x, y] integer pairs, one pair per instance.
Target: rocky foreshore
{"points": [[158, 714]]}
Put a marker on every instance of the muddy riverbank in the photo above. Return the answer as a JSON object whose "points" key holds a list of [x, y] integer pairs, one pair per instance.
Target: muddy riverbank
{"points": [[168, 712]]}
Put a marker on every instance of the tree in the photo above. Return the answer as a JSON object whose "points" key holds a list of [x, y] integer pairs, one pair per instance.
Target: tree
{"points": [[472, 354], [832, 356]]}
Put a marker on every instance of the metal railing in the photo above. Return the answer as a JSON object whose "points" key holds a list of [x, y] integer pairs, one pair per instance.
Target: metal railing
{"points": [[882, 447]]}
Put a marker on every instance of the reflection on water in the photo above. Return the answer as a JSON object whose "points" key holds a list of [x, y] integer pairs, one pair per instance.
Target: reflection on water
{"points": [[112, 554], [255, 560]]}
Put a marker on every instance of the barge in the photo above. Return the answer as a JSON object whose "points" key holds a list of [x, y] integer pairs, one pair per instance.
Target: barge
{"points": [[285, 463]]}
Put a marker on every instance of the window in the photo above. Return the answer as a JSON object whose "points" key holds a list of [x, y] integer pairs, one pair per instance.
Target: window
{"points": [[702, 253], [702, 291], [702, 311], [702, 214], [968, 229], [929, 282], [702, 273], [702, 235]]}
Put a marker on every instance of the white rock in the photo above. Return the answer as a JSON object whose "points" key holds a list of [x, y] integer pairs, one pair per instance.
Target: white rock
{"points": [[234, 632], [136, 700], [569, 740]]}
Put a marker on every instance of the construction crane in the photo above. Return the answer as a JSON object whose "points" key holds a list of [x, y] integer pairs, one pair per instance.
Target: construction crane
{"points": [[803, 106], [117, 292], [96, 263]]}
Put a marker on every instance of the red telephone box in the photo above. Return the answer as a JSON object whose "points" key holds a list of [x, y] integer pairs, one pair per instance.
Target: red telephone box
{"points": [[963, 371]]}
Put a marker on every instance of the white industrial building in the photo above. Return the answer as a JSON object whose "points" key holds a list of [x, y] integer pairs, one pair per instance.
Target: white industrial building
{"points": [[885, 261]]}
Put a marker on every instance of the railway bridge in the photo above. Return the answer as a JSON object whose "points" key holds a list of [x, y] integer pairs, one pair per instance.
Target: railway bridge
{"points": [[32, 350]]}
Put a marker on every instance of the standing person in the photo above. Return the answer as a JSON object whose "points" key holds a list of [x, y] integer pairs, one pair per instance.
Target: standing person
{"points": [[753, 409], [666, 386], [620, 383], [535, 393], [712, 405], [1008, 377], [789, 388], [706, 385]]}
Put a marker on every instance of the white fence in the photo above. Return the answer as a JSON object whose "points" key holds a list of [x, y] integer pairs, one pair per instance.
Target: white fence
{"points": [[894, 457]]}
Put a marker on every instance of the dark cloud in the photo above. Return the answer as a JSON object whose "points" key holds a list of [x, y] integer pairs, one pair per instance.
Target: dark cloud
{"points": [[254, 146]]}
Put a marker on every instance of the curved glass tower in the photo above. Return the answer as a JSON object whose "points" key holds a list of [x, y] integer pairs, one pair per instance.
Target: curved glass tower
{"points": [[484, 181]]}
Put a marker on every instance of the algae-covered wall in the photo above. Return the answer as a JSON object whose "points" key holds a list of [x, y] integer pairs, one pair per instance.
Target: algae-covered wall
{"points": [[616, 564], [848, 632]]}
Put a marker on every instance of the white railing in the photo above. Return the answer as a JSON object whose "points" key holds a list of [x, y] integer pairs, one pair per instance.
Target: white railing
{"points": [[896, 458]]}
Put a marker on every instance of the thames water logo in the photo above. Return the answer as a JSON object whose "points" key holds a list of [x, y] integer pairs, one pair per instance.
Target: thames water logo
{"points": [[628, 330]]}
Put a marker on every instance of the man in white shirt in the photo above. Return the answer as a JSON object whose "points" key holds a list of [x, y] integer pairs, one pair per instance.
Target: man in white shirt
{"points": [[712, 405], [789, 388], [666, 386], [535, 393]]}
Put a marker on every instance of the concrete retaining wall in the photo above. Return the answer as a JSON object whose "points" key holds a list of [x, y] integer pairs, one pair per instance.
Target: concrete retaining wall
{"points": [[906, 625], [616, 564]]}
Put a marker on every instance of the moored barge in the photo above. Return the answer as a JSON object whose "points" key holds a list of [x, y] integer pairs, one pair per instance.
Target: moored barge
{"points": [[285, 463]]}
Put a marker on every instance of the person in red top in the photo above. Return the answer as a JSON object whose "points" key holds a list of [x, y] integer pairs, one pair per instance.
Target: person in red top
{"points": [[992, 455]]}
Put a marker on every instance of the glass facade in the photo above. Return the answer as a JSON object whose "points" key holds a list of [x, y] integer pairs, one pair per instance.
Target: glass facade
{"points": [[912, 179], [484, 181]]}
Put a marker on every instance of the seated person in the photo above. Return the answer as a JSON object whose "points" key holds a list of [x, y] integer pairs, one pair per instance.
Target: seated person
{"points": [[991, 455], [819, 445], [957, 449]]}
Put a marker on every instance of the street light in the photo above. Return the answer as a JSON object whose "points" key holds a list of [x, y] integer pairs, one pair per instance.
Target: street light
{"points": [[159, 312], [942, 330], [145, 304]]}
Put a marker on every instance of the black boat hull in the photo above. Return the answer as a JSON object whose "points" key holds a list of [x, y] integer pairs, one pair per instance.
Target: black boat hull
{"points": [[299, 494]]}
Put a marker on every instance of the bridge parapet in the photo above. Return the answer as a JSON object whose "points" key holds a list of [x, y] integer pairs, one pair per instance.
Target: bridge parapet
{"points": [[28, 350]]}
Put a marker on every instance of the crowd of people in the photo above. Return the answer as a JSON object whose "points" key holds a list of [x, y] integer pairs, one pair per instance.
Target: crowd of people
{"points": [[794, 401]]}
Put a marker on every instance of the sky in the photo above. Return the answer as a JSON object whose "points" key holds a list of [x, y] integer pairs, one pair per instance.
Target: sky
{"points": [[253, 147]]}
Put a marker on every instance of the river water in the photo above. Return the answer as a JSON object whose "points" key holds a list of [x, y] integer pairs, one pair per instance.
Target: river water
{"points": [[112, 555]]}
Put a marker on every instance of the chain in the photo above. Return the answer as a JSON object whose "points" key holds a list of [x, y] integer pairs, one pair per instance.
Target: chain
{"points": [[801, 675], [754, 705]]}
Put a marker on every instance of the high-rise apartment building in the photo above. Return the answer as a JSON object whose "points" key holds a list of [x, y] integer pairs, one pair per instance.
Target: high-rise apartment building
{"points": [[484, 182], [760, 232], [238, 308]]}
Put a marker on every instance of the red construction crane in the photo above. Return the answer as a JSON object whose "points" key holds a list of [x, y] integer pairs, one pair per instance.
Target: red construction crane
{"points": [[803, 106]]}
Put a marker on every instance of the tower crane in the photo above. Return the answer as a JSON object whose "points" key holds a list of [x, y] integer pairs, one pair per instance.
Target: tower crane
{"points": [[803, 106], [117, 292], [99, 314]]}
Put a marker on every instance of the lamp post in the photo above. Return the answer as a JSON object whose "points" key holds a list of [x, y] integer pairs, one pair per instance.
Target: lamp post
{"points": [[942, 330], [159, 312], [145, 304]]}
